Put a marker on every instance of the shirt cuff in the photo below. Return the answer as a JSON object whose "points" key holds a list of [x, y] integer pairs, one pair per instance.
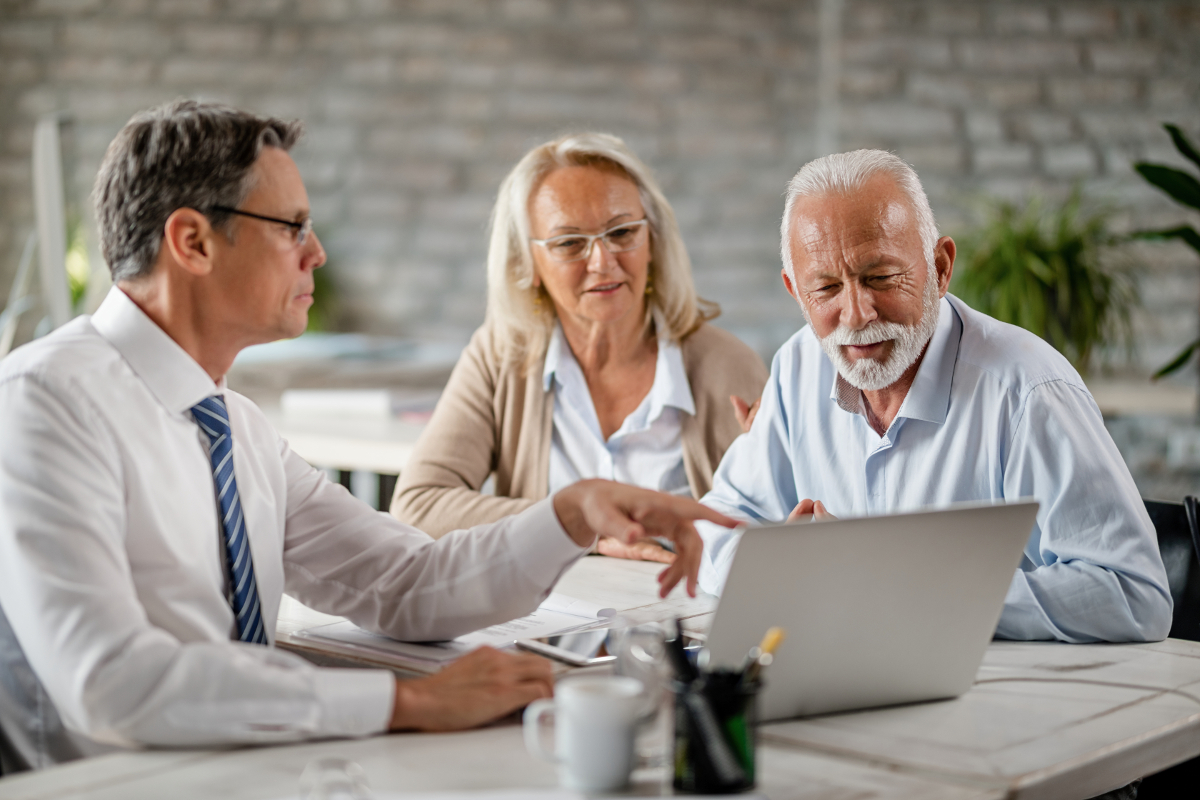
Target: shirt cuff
{"points": [[354, 702], [540, 543]]}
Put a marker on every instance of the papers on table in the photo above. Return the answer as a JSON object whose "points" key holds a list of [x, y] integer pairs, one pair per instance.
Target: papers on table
{"points": [[566, 604], [557, 614]]}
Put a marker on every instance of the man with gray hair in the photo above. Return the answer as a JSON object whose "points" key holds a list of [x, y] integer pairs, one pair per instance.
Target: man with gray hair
{"points": [[897, 396], [150, 519]]}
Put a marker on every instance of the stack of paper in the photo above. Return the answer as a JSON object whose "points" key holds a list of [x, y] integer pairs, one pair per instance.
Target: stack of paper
{"points": [[559, 613], [565, 604]]}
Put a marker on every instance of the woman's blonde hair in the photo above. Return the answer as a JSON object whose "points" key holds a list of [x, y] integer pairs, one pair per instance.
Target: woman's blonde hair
{"points": [[522, 318]]}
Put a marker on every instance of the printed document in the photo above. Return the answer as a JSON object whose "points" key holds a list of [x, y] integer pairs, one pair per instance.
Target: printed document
{"points": [[557, 614]]}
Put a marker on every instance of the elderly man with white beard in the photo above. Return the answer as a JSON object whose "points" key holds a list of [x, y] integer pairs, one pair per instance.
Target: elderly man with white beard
{"points": [[898, 396]]}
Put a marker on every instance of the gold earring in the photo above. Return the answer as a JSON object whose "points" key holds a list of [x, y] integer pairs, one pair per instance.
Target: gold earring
{"points": [[649, 286]]}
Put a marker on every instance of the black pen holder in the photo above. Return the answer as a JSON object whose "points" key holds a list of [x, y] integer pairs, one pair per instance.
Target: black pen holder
{"points": [[716, 727]]}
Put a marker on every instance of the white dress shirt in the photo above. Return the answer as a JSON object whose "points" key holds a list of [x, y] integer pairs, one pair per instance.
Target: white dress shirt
{"points": [[646, 451], [112, 565], [993, 413]]}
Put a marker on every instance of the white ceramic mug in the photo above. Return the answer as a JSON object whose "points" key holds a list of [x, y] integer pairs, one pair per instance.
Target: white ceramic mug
{"points": [[595, 719]]}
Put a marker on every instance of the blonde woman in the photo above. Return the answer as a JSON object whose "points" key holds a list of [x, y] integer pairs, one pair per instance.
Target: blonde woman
{"points": [[595, 358]]}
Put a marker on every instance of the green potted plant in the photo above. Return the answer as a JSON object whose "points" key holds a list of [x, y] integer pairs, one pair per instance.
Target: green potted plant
{"points": [[1185, 190], [1049, 270]]}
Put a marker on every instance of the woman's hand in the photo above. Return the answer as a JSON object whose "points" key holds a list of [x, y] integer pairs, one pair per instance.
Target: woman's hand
{"points": [[638, 551], [745, 412]]}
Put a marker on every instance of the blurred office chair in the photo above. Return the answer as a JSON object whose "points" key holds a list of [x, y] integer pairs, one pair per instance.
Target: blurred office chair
{"points": [[1179, 542]]}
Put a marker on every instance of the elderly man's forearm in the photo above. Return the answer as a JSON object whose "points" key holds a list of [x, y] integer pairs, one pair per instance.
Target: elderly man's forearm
{"points": [[1059, 601]]}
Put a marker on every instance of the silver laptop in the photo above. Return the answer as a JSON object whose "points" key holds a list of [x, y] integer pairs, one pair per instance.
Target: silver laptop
{"points": [[878, 610]]}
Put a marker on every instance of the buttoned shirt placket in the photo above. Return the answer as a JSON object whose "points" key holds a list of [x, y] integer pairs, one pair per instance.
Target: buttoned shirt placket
{"points": [[876, 496]]}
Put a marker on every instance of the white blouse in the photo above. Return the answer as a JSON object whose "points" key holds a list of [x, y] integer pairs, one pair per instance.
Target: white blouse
{"points": [[646, 451]]}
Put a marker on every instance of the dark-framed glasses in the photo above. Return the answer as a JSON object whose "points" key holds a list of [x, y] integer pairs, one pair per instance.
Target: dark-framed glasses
{"points": [[578, 246], [300, 230]]}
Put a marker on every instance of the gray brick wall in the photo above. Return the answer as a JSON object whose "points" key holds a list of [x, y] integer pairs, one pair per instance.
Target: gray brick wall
{"points": [[416, 109]]}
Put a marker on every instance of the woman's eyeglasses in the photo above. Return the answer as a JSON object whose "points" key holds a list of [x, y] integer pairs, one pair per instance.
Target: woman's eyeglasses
{"points": [[578, 246]]}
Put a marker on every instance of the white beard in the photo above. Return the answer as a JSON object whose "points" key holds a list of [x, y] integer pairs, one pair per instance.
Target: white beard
{"points": [[869, 375]]}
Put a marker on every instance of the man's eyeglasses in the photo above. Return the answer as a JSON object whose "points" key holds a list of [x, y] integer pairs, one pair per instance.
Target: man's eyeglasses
{"points": [[578, 246], [300, 230]]}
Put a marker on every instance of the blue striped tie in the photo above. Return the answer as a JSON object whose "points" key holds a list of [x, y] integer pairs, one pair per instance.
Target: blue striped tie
{"points": [[213, 418]]}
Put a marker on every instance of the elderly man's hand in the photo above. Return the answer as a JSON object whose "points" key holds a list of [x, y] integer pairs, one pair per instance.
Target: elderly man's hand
{"points": [[809, 511], [478, 688], [628, 514]]}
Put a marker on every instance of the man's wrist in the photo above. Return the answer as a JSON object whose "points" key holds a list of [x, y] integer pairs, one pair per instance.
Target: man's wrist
{"points": [[568, 509], [407, 709]]}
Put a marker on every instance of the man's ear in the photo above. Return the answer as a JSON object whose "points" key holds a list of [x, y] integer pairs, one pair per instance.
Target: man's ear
{"points": [[188, 240], [787, 284], [943, 261]]}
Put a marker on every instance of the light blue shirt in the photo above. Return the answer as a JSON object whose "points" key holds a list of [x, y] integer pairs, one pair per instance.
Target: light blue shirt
{"points": [[994, 413], [646, 451]]}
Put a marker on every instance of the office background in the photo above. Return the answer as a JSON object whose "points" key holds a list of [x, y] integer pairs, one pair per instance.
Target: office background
{"points": [[415, 110]]}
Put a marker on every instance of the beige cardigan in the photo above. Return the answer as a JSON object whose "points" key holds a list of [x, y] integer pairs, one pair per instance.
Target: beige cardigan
{"points": [[491, 418]]}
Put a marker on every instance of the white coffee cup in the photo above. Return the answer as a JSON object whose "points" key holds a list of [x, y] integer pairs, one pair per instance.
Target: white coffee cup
{"points": [[595, 719]]}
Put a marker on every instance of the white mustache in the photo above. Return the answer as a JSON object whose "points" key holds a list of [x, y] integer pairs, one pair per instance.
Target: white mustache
{"points": [[873, 333]]}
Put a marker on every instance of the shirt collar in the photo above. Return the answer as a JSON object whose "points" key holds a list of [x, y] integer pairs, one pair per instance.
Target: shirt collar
{"points": [[171, 374], [553, 357], [928, 398], [671, 386]]}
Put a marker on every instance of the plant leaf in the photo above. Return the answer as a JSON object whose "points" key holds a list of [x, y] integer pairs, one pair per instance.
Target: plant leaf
{"points": [[1043, 267], [1182, 144], [1177, 362], [1177, 183], [1185, 232]]}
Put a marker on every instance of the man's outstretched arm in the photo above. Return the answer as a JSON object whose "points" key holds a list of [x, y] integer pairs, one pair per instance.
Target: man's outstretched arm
{"points": [[487, 684], [343, 558]]}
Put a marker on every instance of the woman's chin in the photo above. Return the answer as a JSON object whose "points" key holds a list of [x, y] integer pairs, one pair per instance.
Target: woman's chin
{"points": [[608, 311]]}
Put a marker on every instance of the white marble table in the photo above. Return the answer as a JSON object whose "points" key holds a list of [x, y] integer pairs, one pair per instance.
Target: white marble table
{"points": [[1043, 720], [492, 758]]}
